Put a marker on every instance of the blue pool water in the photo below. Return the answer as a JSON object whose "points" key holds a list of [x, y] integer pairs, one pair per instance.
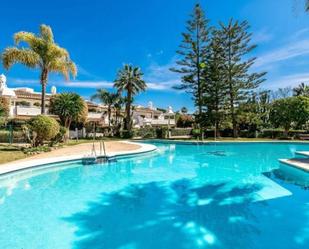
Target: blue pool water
{"points": [[183, 196]]}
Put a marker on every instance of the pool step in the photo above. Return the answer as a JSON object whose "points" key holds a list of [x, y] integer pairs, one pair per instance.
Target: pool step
{"points": [[302, 153], [299, 163]]}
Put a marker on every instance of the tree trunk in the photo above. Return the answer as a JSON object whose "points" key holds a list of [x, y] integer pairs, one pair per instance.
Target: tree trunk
{"points": [[43, 79], [128, 110], [109, 116]]}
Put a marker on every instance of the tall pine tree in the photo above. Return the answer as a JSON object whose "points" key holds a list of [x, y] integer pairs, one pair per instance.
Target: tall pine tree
{"points": [[239, 79], [192, 52], [214, 91]]}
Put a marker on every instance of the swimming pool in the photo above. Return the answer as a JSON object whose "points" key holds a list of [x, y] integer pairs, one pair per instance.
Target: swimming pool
{"points": [[224, 195]]}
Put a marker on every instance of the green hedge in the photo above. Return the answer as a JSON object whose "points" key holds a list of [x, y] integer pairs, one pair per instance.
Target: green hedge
{"points": [[279, 133], [181, 132], [18, 136]]}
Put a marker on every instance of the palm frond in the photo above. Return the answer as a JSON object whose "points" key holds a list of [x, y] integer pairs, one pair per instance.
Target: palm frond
{"points": [[63, 66], [14, 55], [47, 33]]}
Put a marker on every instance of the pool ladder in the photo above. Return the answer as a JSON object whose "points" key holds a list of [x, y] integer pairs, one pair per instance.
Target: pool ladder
{"points": [[94, 158]]}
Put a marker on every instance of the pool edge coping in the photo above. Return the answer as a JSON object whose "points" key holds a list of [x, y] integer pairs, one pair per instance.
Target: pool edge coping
{"points": [[36, 163]]}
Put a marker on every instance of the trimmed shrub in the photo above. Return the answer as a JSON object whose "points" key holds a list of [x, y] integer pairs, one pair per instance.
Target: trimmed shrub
{"points": [[145, 132], [181, 131], [60, 137], [126, 134], [196, 133], [280, 133], [161, 132], [43, 128]]}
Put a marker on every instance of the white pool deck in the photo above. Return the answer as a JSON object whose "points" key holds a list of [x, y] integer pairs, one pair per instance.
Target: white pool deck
{"points": [[16, 166], [299, 163]]}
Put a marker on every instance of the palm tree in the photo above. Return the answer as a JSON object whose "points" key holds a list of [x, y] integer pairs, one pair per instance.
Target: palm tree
{"points": [[70, 107], [107, 98], [129, 79], [307, 5], [301, 90], [118, 107], [43, 53]]}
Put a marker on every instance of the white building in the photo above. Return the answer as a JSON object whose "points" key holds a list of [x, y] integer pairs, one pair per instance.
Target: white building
{"points": [[25, 104]]}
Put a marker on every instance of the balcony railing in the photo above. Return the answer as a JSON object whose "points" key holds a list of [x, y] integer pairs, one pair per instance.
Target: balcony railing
{"points": [[26, 111], [95, 115]]}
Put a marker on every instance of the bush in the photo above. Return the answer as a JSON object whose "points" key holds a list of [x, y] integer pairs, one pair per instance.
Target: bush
{"points": [[145, 132], [280, 133], [60, 137], [181, 132], [42, 128], [196, 133], [161, 132], [126, 134], [36, 150]]}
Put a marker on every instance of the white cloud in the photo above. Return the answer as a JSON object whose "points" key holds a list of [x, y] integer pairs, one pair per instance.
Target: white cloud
{"points": [[291, 80], [289, 51], [19, 81], [261, 36], [294, 47], [86, 84], [158, 77]]}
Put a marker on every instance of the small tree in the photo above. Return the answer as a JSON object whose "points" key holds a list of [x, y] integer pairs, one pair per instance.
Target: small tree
{"points": [[130, 80], [4, 107], [69, 107], [43, 128], [4, 110], [107, 98], [290, 111]]}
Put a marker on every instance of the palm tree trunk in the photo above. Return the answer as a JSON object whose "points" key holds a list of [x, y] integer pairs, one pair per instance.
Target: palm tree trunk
{"points": [[109, 116], [128, 110], [43, 79]]}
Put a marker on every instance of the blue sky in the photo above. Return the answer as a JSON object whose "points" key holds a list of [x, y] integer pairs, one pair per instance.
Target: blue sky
{"points": [[102, 35]]}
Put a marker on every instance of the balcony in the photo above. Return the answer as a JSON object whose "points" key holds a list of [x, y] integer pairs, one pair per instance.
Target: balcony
{"points": [[26, 111], [163, 122], [95, 115]]}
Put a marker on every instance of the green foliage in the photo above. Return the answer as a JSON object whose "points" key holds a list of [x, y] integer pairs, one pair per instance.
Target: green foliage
{"points": [[235, 41], [60, 137], [69, 107], [42, 128], [41, 52], [196, 133], [290, 112], [184, 121], [126, 134], [109, 99], [215, 90], [145, 132], [192, 52], [129, 80], [4, 107], [23, 103], [181, 132], [36, 150], [216, 69], [162, 132], [301, 90]]}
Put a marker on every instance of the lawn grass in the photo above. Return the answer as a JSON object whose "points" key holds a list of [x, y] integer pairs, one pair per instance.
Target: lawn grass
{"points": [[10, 153]]}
